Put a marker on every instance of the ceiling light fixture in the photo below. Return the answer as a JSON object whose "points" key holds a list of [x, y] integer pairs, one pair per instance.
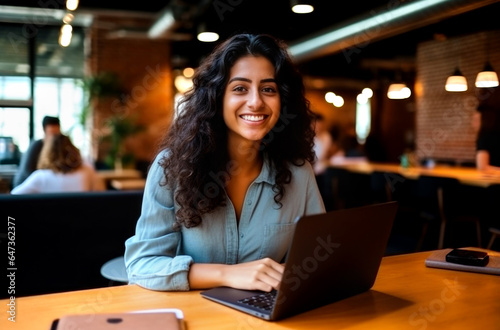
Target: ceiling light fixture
{"points": [[398, 91], [206, 34], [68, 18], [487, 78], [336, 100], [301, 7], [71, 4], [368, 92], [65, 35], [456, 82]]}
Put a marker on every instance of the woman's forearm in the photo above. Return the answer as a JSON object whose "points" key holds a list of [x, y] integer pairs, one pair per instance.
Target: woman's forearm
{"points": [[264, 274], [203, 276]]}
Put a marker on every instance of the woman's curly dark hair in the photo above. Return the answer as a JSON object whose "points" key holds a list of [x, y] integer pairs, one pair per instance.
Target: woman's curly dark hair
{"points": [[197, 139]]}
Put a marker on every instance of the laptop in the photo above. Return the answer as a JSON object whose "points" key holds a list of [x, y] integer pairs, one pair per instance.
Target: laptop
{"points": [[332, 256]]}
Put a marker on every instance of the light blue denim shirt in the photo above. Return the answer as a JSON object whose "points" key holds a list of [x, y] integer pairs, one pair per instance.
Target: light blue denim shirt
{"points": [[158, 257]]}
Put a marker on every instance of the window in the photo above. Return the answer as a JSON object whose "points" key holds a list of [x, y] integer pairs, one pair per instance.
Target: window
{"points": [[363, 120], [57, 88], [65, 102], [13, 124]]}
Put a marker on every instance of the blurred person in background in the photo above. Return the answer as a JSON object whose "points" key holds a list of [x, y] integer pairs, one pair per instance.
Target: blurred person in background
{"points": [[488, 138], [323, 144], [60, 169], [29, 160]]}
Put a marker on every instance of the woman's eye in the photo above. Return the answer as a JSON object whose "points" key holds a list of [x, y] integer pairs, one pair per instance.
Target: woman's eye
{"points": [[269, 90], [239, 89]]}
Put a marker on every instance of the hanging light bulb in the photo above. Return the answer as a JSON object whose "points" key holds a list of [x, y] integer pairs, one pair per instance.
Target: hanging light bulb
{"points": [[487, 78], [65, 35], [71, 4], [456, 82]]}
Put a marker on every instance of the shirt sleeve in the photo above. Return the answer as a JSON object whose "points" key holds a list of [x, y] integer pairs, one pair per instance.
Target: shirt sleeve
{"points": [[314, 200], [151, 254], [28, 163], [31, 185], [483, 141]]}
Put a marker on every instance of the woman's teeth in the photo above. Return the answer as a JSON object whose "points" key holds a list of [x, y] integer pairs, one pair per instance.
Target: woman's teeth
{"points": [[253, 118]]}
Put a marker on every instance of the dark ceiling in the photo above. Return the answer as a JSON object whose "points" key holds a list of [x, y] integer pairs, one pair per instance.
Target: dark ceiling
{"points": [[370, 58]]}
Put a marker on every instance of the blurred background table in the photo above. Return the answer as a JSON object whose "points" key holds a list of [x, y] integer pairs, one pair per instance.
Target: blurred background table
{"points": [[108, 176], [128, 184], [465, 175]]}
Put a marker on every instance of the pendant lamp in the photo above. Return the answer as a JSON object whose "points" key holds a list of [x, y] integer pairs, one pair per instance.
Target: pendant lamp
{"points": [[207, 32], [301, 7], [456, 82], [398, 91], [487, 78]]}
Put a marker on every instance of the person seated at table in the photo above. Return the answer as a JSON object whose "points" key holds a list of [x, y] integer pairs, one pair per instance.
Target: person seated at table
{"points": [[234, 173], [488, 138], [323, 144], [349, 150], [60, 169], [29, 160]]}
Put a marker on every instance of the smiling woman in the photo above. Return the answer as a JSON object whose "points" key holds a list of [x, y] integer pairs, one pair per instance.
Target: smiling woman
{"points": [[251, 108], [232, 176], [251, 104]]}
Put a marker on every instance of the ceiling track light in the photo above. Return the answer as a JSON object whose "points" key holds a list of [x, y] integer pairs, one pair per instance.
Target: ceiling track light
{"points": [[456, 82], [301, 7]]}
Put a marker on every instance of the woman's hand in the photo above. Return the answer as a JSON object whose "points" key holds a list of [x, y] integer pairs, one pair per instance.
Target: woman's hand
{"points": [[264, 274]]}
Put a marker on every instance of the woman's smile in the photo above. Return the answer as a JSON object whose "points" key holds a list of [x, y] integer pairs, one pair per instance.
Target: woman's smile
{"points": [[252, 101], [254, 118]]}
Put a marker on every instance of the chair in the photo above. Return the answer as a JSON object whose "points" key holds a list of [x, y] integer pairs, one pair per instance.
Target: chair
{"points": [[115, 270], [442, 200], [348, 189], [494, 233], [491, 213], [380, 187], [388, 186]]}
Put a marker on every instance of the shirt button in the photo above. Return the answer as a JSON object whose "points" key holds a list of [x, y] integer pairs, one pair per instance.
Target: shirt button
{"points": [[241, 235], [249, 202]]}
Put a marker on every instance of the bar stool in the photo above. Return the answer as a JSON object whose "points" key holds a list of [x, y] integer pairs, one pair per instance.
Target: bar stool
{"points": [[115, 270]]}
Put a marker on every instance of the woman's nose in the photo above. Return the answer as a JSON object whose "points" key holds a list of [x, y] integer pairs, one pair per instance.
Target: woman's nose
{"points": [[255, 100]]}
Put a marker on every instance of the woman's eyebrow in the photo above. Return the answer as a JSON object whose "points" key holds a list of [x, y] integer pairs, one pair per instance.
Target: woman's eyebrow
{"points": [[249, 80]]}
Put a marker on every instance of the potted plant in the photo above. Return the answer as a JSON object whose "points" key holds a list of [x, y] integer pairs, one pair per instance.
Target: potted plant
{"points": [[120, 128]]}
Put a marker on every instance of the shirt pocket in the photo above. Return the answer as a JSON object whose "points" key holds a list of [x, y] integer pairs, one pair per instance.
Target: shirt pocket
{"points": [[277, 238]]}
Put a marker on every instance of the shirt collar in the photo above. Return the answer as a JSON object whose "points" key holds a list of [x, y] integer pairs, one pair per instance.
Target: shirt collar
{"points": [[267, 174]]}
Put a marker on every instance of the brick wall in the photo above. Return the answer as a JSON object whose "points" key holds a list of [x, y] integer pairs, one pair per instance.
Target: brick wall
{"points": [[143, 69], [444, 120]]}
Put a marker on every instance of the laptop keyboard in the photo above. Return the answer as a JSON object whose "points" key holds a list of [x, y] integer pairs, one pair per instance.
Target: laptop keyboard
{"points": [[264, 301]]}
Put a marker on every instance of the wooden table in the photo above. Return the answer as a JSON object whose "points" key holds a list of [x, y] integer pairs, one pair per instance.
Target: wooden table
{"points": [[406, 295], [119, 174], [466, 175], [128, 184], [107, 176]]}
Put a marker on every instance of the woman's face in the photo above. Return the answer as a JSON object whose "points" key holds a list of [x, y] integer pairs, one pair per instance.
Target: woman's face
{"points": [[251, 104]]}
